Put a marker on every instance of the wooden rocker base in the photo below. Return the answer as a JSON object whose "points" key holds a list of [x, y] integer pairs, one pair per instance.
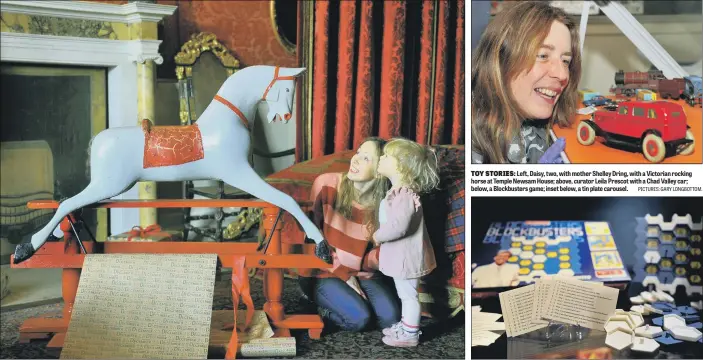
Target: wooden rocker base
{"points": [[242, 256], [219, 338]]}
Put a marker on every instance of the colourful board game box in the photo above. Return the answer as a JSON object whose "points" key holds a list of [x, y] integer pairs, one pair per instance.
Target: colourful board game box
{"points": [[516, 253]]}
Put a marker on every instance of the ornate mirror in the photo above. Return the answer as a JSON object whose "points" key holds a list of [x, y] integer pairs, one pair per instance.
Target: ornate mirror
{"points": [[202, 65]]}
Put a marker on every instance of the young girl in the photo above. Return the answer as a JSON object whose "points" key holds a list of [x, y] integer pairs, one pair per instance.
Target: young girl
{"points": [[404, 251], [524, 77]]}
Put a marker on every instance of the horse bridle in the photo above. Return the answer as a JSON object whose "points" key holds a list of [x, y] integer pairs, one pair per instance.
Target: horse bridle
{"points": [[240, 113]]}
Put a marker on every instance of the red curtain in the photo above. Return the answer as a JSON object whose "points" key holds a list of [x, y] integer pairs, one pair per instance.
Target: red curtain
{"points": [[383, 68]]}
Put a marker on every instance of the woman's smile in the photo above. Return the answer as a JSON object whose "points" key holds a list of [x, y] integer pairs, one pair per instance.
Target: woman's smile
{"points": [[549, 95]]}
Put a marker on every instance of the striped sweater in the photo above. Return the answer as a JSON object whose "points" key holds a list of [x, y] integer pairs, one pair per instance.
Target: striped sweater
{"points": [[349, 238]]}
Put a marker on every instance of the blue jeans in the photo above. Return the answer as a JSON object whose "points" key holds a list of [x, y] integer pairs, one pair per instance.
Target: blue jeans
{"points": [[350, 311]]}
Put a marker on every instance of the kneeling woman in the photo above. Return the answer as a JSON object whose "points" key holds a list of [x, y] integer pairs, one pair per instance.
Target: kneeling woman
{"points": [[345, 207]]}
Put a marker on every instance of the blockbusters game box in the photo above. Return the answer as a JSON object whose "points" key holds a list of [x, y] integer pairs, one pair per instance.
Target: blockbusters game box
{"points": [[517, 252]]}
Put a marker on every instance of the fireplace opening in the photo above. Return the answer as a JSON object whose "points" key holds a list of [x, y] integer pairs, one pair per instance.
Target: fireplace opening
{"points": [[48, 115]]}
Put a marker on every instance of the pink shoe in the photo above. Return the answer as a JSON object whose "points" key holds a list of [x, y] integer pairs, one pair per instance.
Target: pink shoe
{"points": [[391, 330], [402, 338]]}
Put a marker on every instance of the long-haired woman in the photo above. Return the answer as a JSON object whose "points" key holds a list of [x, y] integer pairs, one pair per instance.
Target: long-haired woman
{"points": [[524, 77]]}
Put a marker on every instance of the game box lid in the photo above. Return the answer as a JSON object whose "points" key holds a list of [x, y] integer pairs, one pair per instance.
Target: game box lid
{"points": [[516, 253]]}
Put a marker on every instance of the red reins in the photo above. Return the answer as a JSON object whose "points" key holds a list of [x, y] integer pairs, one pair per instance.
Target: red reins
{"points": [[239, 112]]}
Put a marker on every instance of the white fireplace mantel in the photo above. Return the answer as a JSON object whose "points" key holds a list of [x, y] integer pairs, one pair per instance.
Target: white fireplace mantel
{"points": [[119, 57], [134, 12], [66, 50]]}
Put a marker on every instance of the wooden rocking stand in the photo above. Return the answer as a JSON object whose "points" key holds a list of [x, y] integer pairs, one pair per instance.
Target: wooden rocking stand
{"points": [[238, 256]]}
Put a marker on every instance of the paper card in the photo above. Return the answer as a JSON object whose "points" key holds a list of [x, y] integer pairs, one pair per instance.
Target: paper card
{"points": [[483, 338], [550, 294], [586, 111], [155, 306], [485, 317], [581, 303], [601, 242], [541, 292], [271, 347], [485, 325], [606, 260], [516, 306], [547, 302], [475, 309]]}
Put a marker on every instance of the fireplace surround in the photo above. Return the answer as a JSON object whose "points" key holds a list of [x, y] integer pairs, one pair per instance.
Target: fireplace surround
{"points": [[119, 38]]}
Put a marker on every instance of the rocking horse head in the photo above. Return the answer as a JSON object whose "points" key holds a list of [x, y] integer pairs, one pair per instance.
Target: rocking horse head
{"points": [[269, 87], [277, 100]]}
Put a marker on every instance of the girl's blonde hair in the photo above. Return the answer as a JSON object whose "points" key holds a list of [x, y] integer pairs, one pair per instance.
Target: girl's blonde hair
{"points": [[347, 193], [417, 164], [509, 47]]}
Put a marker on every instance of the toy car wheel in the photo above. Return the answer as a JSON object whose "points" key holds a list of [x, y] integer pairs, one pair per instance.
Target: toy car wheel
{"points": [[653, 148], [585, 134], [688, 149]]}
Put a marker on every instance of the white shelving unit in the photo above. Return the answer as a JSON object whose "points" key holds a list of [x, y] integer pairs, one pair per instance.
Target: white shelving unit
{"points": [[639, 36]]}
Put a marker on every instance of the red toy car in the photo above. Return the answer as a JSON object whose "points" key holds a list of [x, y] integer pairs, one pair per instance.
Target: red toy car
{"points": [[656, 128]]}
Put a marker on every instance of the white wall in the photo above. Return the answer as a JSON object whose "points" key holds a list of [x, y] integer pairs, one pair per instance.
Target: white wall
{"points": [[606, 50]]}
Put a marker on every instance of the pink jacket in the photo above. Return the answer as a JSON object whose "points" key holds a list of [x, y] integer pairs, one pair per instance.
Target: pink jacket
{"points": [[406, 251]]}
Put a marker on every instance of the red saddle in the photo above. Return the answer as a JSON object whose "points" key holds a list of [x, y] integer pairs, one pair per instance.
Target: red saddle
{"points": [[171, 145]]}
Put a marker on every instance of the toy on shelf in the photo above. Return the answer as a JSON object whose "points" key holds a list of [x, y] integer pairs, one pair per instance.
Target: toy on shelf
{"points": [[646, 95], [656, 128], [587, 94], [694, 90], [627, 84], [670, 88], [216, 147], [669, 254], [598, 100]]}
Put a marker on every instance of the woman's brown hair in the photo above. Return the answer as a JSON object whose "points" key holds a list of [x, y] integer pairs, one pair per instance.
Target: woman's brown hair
{"points": [[347, 193], [509, 47]]}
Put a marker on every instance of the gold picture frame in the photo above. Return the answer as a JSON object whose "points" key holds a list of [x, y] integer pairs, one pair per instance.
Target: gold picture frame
{"points": [[185, 60]]}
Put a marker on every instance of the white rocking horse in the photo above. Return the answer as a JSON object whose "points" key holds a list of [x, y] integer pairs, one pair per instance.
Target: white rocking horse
{"points": [[216, 147]]}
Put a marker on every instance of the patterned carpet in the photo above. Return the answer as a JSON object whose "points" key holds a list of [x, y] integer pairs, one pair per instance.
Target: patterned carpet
{"points": [[440, 340]]}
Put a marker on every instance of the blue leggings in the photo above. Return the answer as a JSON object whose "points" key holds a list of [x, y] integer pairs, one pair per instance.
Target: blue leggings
{"points": [[350, 311]]}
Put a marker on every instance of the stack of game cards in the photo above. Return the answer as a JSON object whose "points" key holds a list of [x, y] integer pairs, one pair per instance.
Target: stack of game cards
{"points": [[558, 299], [485, 328]]}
